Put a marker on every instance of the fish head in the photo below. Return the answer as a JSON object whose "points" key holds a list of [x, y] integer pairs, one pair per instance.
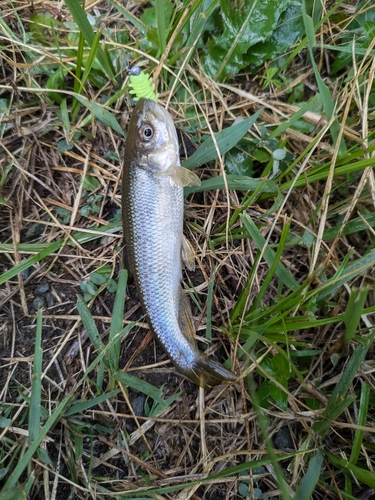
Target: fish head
{"points": [[154, 138]]}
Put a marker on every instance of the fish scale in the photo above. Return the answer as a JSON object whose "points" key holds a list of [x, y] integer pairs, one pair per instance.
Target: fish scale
{"points": [[153, 204]]}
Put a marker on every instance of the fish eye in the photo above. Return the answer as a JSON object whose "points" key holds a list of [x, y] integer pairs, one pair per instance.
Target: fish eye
{"points": [[146, 132]]}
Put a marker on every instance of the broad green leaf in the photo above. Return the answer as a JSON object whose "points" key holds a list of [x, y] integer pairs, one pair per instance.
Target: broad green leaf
{"points": [[288, 31], [98, 278], [241, 26], [39, 21], [5, 422], [225, 139], [238, 160], [280, 396]]}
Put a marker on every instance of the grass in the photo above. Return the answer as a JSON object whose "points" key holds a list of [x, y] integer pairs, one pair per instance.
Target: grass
{"points": [[279, 129]]}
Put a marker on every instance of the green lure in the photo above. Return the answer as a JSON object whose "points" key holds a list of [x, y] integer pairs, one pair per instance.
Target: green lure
{"points": [[141, 85]]}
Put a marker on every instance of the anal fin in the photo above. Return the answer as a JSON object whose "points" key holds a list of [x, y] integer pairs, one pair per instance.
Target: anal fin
{"points": [[185, 320]]}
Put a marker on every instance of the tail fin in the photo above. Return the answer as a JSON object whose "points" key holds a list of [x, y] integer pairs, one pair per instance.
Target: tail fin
{"points": [[208, 373], [204, 371]]}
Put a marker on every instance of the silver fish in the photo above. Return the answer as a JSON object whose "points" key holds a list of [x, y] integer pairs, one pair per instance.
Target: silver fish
{"points": [[152, 205]]}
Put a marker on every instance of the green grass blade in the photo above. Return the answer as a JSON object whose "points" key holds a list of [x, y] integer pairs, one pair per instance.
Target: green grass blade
{"points": [[130, 17], [241, 303], [24, 461], [226, 139], [353, 226], [36, 389], [210, 291], [353, 312], [269, 255], [160, 25], [79, 83], [228, 472], [338, 396], [239, 183], [84, 25], [18, 493], [310, 105], [117, 319], [101, 114], [65, 115], [86, 405], [350, 272], [50, 248], [273, 267], [307, 485], [78, 86], [362, 419], [349, 49], [362, 475], [263, 423], [321, 173], [140, 385], [79, 63], [89, 324], [325, 94], [80, 237], [202, 13]]}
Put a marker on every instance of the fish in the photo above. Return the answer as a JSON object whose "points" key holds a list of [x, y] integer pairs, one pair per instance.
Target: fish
{"points": [[154, 245]]}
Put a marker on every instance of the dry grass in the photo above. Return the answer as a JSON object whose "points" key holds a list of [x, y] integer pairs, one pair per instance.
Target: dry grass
{"points": [[122, 446]]}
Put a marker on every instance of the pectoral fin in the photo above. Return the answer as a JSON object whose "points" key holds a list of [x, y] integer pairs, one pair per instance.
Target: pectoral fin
{"points": [[187, 254], [184, 177]]}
